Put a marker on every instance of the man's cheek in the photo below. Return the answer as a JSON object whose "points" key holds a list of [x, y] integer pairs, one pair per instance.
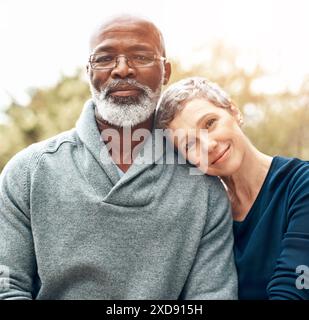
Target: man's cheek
{"points": [[99, 83]]}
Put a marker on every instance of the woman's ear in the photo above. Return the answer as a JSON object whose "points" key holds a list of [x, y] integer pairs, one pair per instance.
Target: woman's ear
{"points": [[237, 115]]}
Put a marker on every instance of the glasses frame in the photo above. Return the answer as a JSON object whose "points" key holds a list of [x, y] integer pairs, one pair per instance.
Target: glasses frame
{"points": [[155, 58]]}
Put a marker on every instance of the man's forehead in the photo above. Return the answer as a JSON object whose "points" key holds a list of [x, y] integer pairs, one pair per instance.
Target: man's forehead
{"points": [[117, 28], [141, 27]]}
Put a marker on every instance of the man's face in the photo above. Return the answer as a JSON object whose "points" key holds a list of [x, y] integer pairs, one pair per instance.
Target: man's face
{"points": [[124, 92]]}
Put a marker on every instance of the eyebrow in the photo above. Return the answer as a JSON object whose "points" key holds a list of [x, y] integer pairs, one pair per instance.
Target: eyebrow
{"points": [[109, 48]]}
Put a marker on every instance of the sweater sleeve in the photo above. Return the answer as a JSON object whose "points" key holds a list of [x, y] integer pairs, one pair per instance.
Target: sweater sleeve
{"points": [[17, 260], [213, 275], [285, 284]]}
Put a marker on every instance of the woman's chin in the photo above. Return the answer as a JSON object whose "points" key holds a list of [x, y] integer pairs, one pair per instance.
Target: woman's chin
{"points": [[226, 171]]}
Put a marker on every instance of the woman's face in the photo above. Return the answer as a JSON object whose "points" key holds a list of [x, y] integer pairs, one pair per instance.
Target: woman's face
{"points": [[209, 137]]}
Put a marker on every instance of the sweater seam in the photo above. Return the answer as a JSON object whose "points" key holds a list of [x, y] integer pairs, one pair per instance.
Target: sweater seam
{"points": [[37, 156]]}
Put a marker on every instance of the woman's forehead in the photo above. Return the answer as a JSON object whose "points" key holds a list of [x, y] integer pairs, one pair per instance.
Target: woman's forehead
{"points": [[193, 112], [197, 107]]}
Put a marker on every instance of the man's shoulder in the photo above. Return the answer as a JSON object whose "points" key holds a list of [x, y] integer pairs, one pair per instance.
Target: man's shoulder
{"points": [[53, 144], [190, 173], [204, 186], [31, 154]]}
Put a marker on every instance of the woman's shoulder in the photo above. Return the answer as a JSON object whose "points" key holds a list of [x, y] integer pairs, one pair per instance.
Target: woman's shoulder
{"points": [[290, 161], [291, 168], [288, 177], [292, 175]]}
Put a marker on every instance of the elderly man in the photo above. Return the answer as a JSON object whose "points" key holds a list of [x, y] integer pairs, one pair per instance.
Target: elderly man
{"points": [[81, 218]]}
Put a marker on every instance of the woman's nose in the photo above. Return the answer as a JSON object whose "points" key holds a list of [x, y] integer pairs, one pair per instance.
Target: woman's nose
{"points": [[212, 144], [208, 143]]}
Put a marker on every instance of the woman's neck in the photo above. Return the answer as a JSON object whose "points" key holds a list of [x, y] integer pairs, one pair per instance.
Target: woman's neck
{"points": [[244, 185]]}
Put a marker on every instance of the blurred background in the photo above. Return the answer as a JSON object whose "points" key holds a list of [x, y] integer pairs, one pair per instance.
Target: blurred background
{"points": [[257, 50]]}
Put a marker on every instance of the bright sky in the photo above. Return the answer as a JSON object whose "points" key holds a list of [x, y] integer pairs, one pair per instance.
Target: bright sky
{"points": [[42, 39]]}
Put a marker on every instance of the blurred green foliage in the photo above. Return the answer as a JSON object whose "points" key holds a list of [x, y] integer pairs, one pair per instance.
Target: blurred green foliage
{"points": [[275, 123], [49, 112]]}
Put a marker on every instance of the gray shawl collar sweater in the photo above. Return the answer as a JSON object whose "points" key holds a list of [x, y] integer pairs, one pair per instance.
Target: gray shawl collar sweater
{"points": [[70, 228]]}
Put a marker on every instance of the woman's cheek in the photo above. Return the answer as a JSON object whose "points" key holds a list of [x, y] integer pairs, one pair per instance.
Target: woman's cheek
{"points": [[193, 157]]}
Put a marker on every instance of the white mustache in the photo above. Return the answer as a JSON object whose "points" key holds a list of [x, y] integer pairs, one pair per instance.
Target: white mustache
{"points": [[129, 82]]}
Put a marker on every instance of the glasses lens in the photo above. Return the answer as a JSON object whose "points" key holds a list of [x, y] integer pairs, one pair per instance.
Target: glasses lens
{"points": [[141, 60], [101, 61], [108, 60]]}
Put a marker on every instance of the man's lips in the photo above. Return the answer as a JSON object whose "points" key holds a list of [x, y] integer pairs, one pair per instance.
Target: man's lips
{"points": [[221, 156], [124, 91]]}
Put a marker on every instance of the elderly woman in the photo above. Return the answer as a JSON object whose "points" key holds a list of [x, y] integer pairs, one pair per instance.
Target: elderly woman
{"points": [[269, 195]]}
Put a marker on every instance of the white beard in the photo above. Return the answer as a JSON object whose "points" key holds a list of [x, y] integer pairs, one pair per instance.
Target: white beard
{"points": [[127, 111]]}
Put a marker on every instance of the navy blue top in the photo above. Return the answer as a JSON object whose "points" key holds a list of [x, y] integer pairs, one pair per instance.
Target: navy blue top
{"points": [[274, 237]]}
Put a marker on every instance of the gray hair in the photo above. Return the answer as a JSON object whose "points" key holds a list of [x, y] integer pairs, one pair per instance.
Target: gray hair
{"points": [[174, 98]]}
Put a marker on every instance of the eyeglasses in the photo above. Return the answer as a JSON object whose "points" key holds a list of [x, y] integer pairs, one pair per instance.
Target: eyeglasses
{"points": [[99, 61]]}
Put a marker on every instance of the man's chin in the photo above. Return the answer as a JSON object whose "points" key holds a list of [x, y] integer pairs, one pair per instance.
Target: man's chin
{"points": [[125, 115], [124, 100]]}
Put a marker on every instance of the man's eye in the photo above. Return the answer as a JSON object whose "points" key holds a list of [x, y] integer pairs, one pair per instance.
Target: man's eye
{"points": [[104, 58], [142, 58], [209, 123]]}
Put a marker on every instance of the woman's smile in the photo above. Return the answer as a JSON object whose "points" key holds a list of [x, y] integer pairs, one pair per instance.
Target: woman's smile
{"points": [[222, 156]]}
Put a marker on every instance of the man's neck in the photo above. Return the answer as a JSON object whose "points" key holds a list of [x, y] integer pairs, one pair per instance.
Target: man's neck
{"points": [[122, 147]]}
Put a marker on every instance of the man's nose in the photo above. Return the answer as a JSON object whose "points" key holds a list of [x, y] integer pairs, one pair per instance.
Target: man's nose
{"points": [[122, 69]]}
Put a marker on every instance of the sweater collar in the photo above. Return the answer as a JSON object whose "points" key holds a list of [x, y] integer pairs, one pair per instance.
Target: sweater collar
{"points": [[89, 134]]}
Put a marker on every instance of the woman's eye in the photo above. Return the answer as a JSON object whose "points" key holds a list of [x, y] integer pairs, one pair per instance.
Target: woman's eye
{"points": [[210, 122]]}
